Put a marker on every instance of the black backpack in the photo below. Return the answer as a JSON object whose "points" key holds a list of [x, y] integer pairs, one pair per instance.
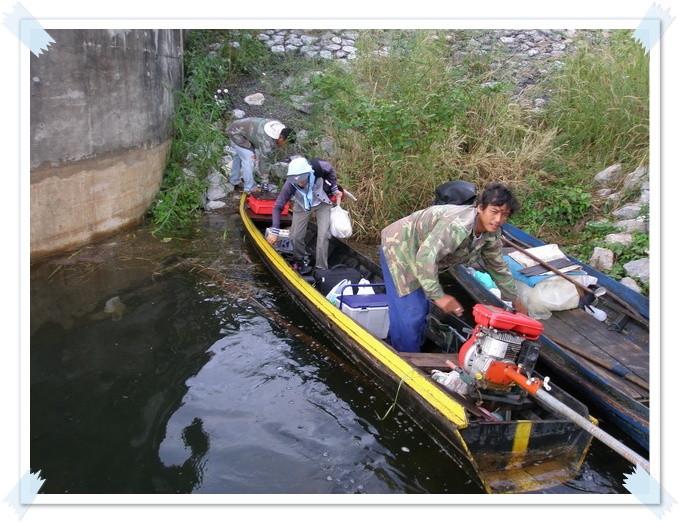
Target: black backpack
{"points": [[318, 171], [457, 192]]}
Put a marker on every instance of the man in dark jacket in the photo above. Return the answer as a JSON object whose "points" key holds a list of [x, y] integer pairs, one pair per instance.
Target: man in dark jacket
{"points": [[311, 184]]}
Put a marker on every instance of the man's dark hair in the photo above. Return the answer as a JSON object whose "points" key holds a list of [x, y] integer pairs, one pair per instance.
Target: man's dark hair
{"points": [[499, 195], [288, 135]]}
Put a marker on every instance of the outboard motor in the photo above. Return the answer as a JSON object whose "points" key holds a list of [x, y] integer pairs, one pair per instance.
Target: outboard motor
{"points": [[500, 339]]}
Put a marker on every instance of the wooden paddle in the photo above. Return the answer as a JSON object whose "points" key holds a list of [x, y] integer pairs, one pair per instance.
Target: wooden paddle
{"points": [[615, 368]]}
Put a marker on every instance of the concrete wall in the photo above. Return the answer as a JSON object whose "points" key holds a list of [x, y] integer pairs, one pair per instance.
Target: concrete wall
{"points": [[102, 108]]}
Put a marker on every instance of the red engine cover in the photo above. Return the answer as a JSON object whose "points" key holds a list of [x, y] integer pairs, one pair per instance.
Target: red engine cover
{"points": [[490, 316]]}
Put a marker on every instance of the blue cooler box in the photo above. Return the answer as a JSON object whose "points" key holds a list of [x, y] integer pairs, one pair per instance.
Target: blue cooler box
{"points": [[370, 310]]}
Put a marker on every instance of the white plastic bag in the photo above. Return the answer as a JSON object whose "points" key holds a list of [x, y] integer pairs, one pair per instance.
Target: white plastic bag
{"points": [[340, 223], [337, 291], [364, 290], [552, 294]]}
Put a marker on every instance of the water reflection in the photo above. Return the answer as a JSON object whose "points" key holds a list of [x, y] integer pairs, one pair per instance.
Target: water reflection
{"points": [[101, 391], [198, 389], [213, 385]]}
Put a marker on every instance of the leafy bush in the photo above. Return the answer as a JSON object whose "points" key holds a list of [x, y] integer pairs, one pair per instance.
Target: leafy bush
{"points": [[180, 200], [555, 203]]}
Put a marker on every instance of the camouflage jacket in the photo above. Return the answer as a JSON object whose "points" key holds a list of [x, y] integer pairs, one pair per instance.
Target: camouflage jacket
{"points": [[418, 246], [249, 133]]}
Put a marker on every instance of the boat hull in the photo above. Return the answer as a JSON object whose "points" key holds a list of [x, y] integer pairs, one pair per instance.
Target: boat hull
{"points": [[500, 456]]}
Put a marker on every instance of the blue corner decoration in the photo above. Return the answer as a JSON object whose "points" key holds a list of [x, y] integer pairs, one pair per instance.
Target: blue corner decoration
{"points": [[648, 491], [24, 493], [653, 25], [29, 32]]}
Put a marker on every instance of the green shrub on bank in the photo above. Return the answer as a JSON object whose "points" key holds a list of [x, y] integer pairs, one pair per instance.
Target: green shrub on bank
{"points": [[198, 143]]}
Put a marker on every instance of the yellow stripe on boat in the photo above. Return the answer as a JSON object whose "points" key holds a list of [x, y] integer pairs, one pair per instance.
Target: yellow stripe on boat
{"points": [[449, 408], [521, 440]]}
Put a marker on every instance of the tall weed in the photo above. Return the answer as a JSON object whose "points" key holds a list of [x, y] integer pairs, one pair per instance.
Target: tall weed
{"points": [[600, 105], [405, 119]]}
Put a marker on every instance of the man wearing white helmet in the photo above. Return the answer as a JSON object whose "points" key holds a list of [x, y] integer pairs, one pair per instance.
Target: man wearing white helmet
{"points": [[255, 140], [311, 188]]}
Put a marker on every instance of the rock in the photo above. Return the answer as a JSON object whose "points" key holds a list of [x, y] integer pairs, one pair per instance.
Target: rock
{"points": [[610, 175], [627, 212], [635, 179], [602, 259], [625, 238], [638, 269], [301, 103], [640, 225], [215, 192], [214, 205], [328, 146], [645, 196], [630, 283], [115, 308], [280, 169], [255, 99], [303, 136], [215, 177]]}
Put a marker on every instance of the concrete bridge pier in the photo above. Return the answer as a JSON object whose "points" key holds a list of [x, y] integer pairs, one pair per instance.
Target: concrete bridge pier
{"points": [[102, 110]]}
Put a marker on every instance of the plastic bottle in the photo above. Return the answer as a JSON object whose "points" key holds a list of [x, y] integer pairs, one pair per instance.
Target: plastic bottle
{"points": [[485, 280], [597, 313], [451, 380]]}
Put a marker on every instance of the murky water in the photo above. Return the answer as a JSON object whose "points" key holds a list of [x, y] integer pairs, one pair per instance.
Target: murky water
{"points": [[207, 379]]}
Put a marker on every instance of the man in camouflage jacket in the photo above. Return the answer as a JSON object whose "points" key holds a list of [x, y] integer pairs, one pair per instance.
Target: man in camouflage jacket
{"points": [[255, 141], [415, 248]]}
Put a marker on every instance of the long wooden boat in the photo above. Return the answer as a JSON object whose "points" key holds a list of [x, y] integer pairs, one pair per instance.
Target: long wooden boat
{"points": [[606, 363], [508, 439]]}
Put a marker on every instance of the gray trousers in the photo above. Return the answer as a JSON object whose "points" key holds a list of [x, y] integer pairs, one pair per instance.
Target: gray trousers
{"points": [[300, 221]]}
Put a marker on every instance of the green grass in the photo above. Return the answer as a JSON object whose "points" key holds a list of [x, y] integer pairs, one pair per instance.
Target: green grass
{"points": [[198, 142]]}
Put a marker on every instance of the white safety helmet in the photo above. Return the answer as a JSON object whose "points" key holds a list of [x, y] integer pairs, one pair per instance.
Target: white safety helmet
{"points": [[273, 129], [298, 169]]}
